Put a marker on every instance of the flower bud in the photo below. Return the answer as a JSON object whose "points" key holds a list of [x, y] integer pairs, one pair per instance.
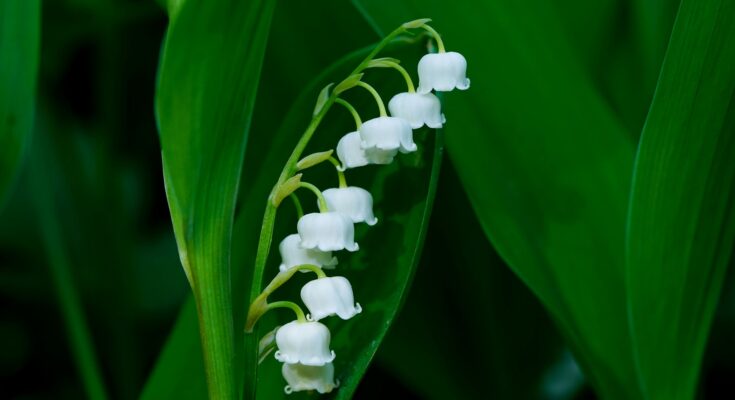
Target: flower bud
{"points": [[304, 342], [354, 202], [327, 231], [292, 254], [417, 109], [330, 296], [306, 377], [442, 72]]}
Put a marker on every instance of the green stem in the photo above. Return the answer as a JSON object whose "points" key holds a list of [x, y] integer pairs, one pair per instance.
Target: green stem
{"points": [[322, 201], [381, 105], [297, 205], [269, 216], [283, 277], [288, 304], [259, 305], [435, 34], [406, 76], [313, 268], [340, 173], [355, 115]]}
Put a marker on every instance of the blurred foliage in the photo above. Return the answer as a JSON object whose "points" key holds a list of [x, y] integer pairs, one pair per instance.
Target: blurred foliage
{"points": [[19, 42], [541, 152]]}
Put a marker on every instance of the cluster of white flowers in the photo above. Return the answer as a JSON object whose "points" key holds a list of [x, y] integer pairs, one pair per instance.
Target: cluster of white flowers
{"points": [[379, 140], [304, 344]]}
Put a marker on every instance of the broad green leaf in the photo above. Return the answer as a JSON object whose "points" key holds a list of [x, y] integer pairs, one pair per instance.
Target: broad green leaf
{"points": [[381, 271], [208, 76], [604, 36], [266, 153], [389, 249], [546, 166], [493, 325], [179, 372], [19, 51], [651, 28], [358, 350], [403, 219], [681, 224]]}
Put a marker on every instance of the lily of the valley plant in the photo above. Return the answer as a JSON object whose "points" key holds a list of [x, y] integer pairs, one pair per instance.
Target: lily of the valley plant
{"points": [[304, 344]]}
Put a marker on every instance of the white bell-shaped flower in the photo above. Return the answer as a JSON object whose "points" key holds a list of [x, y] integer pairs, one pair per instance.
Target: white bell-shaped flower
{"points": [[354, 202], [292, 254], [307, 377], [349, 152], [328, 231], [352, 155], [418, 109], [304, 342], [330, 296], [380, 156], [383, 135], [442, 72]]}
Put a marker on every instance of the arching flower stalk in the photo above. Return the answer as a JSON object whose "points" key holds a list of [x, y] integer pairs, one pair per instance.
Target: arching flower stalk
{"points": [[303, 345]]}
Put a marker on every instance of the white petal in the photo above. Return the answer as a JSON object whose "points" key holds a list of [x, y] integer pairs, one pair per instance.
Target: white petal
{"points": [[417, 109], [349, 152], [304, 342], [442, 72], [293, 254], [354, 202], [305, 377], [379, 156], [330, 296], [387, 134], [327, 231]]}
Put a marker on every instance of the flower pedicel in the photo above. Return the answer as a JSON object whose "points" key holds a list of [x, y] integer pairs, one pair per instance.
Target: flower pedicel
{"points": [[304, 343]]}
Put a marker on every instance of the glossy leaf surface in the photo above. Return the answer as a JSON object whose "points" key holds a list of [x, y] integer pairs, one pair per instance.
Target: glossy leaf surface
{"points": [[208, 78], [681, 224], [546, 165]]}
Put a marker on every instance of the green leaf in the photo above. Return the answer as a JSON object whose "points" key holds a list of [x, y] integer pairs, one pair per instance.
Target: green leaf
{"points": [[652, 21], [179, 373], [355, 341], [395, 248], [547, 169], [492, 321], [393, 245], [681, 223], [322, 99], [390, 249], [266, 154], [314, 159], [19, 51], [209, 73], [348, 83]]}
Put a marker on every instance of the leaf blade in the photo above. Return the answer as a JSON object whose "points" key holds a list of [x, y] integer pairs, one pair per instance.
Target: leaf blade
{"points": [[546, 165], [209, 72], [254, 191], [680, 223]]}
